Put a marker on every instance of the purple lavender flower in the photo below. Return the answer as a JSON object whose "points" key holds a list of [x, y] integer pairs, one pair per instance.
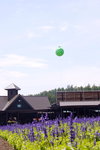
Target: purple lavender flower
{"points": [[72, 132], [84, 128], [31, 135], [45, 132], [46, 117]]}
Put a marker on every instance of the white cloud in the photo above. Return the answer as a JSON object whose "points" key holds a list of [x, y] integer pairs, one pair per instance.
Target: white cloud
{"points": [[21, 79], [29, 35], [32, 35], [7, 74], [16, 74], [82, 75], [77, 76], [79, 28], [17, 60], [47, 28], [64, 27], [91, 27]]}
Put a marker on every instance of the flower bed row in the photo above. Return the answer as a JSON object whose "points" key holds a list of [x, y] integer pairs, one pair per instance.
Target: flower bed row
{"points": [[59, 134]]}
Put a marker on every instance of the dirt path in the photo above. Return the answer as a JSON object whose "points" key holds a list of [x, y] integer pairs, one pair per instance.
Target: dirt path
{"points": [[4, 145]]}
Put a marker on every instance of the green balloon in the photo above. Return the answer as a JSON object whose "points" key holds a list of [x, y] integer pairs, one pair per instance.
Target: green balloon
{"points": [[59, 52]]}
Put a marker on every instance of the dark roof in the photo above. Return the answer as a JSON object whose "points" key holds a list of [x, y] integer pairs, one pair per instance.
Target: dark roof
{"points": [[36, 102], [12, 86], [3, 101], [79, 103]]}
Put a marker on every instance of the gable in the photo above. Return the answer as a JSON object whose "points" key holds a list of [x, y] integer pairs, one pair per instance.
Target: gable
{"points": [[18, 104]]}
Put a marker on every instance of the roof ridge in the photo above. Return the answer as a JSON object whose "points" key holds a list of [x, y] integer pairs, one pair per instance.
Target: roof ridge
{"points": [[12, 86]]}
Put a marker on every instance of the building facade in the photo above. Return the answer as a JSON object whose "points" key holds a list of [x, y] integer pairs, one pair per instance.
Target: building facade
{"points": [[23, 108], [81, 103]]}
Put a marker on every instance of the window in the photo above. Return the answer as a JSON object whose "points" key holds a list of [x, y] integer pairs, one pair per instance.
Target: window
{"points": [[19, 100], [19, 105]]}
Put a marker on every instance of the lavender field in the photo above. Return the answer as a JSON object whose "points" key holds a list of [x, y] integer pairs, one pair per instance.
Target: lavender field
{"points": [[59, 134]]}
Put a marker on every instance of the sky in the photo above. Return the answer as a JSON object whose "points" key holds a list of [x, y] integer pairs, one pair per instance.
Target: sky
{"points": [[30, 33]]}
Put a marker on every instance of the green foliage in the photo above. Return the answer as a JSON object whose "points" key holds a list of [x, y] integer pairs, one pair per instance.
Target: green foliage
{"points": [[15, 140]]}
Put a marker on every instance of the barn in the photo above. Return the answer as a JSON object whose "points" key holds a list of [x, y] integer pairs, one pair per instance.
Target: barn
{"points": [[23, 109], [81, 103]]}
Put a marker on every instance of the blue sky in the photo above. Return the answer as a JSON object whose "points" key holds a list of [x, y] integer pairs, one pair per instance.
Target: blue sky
{"points": [[30, 33]]}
